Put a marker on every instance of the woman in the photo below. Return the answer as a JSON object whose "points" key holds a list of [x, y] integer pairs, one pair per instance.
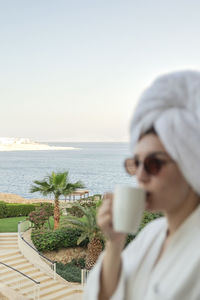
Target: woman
{"points": [[163, 262]]}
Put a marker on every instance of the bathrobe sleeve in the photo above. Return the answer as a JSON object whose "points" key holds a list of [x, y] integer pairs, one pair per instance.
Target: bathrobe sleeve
{"points": [[131, 258], [93, 283]]}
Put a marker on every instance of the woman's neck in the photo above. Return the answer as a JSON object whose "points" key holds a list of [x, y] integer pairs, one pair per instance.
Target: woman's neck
{"points": [[177, 216]]}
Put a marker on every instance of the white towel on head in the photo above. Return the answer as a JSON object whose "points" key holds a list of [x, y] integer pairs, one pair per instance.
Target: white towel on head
{"points": [[172, 105]]}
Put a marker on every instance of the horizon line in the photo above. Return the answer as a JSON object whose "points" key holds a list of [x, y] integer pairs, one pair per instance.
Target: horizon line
{"points": [[61, 141]]}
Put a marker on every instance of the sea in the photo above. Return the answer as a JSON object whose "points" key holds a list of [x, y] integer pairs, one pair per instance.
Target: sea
{"points": [[98, 165]]}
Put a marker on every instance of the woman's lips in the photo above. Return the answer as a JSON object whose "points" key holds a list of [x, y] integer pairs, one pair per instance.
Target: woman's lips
{"points": [[148, 194], [148, 199]]}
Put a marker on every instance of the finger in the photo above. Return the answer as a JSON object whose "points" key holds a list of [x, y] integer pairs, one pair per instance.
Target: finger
{"points": [[106, 217], [104, 208], [108, 200], [107, 196]]}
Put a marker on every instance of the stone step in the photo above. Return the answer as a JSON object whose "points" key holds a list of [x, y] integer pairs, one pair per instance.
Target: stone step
{"points": [[45, 291], [26, 283], [76, 296], [26, 289], [8, 247], [5, 269], [30, 294], [8, 234], [52, 290], [49, 289], [47, 284], [11, 257], [17, 262], [7, 254], [62, 294], [9, 276], [21, 267], [31, 271], [34, 273], [7, 239], [27, 269], [39, 275], [43, 278], [8, 243]]}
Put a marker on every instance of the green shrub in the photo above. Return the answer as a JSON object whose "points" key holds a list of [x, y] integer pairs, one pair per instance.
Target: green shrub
{"points": [[129, 239], [67, 237], [71, 271], [54, 240], [41, 214], [38, 217], [79, 262], [18, 210], [148, 217], [89, 202], [74, 211], [3, 210]]}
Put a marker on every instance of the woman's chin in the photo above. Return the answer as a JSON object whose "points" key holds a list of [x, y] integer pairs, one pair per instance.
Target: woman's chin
{"points": [[148, 205], [151, 207]]}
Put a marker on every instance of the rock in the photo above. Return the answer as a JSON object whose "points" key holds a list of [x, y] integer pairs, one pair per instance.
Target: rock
{"points": [[65, 255]]}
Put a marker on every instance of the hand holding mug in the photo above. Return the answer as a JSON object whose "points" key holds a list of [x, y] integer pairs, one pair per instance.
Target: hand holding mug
{"points": [[105, 221], [128, 208]]}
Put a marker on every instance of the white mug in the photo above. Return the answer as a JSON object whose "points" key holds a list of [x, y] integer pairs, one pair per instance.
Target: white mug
{"points": [[128, 208]]}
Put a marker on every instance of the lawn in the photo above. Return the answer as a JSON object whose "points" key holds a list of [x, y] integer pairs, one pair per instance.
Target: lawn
{"points": [[10, 224]]}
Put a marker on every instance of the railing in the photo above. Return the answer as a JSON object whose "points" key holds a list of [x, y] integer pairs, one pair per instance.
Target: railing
{"points": [[25, 277], [45, 262], [84, 276]]}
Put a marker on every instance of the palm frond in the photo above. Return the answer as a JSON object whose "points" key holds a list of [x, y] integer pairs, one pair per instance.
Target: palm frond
{"points": [[75, 221], [82, 238]]}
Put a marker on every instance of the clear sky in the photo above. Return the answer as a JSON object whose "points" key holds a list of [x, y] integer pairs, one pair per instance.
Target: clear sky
{"points": [[72, 70]]}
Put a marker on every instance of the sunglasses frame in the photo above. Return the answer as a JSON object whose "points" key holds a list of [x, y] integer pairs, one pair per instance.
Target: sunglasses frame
{"points": [[160, 163]]}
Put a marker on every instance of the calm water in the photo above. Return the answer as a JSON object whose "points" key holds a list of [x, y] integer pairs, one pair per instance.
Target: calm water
{"points": [[98, 165]]}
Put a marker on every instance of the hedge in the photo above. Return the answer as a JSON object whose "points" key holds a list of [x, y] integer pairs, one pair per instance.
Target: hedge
{"points": [[15, 209], [3, 209], [54, 240], [71, 271]]}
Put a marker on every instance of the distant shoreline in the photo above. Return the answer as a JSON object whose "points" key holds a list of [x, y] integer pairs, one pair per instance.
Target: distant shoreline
{"points": [[14, 198], [25, 144], [34, 147]]}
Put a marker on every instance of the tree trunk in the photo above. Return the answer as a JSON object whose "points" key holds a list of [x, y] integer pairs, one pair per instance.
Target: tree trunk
{"points": [[94, 250], [56, 214]]}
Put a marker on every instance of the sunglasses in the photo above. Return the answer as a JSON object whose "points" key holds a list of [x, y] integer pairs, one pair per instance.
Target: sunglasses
{"points": [[151, 164]]}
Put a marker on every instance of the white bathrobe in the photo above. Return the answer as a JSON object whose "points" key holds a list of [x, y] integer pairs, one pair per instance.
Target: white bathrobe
{"points": [[176, 276]]}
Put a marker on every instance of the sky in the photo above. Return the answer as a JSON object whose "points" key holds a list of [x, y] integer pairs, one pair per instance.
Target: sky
{"points": [[74, 70]]}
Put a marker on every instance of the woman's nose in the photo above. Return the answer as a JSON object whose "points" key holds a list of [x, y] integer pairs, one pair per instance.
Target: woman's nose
{"points": [[141, 174]]}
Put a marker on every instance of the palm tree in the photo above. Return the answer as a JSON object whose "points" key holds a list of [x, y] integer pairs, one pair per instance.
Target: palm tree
{"points": [[90, 230], [56, 184]]}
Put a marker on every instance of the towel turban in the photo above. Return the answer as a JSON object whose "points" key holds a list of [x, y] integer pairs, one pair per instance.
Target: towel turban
{"points": [[172, 106]]}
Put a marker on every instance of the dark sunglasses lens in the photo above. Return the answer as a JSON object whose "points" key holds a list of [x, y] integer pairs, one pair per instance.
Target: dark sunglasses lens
{"points": [[152, 165]]}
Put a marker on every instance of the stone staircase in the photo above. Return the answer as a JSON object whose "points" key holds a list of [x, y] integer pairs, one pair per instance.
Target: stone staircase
{"points": [[50, 289]]}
